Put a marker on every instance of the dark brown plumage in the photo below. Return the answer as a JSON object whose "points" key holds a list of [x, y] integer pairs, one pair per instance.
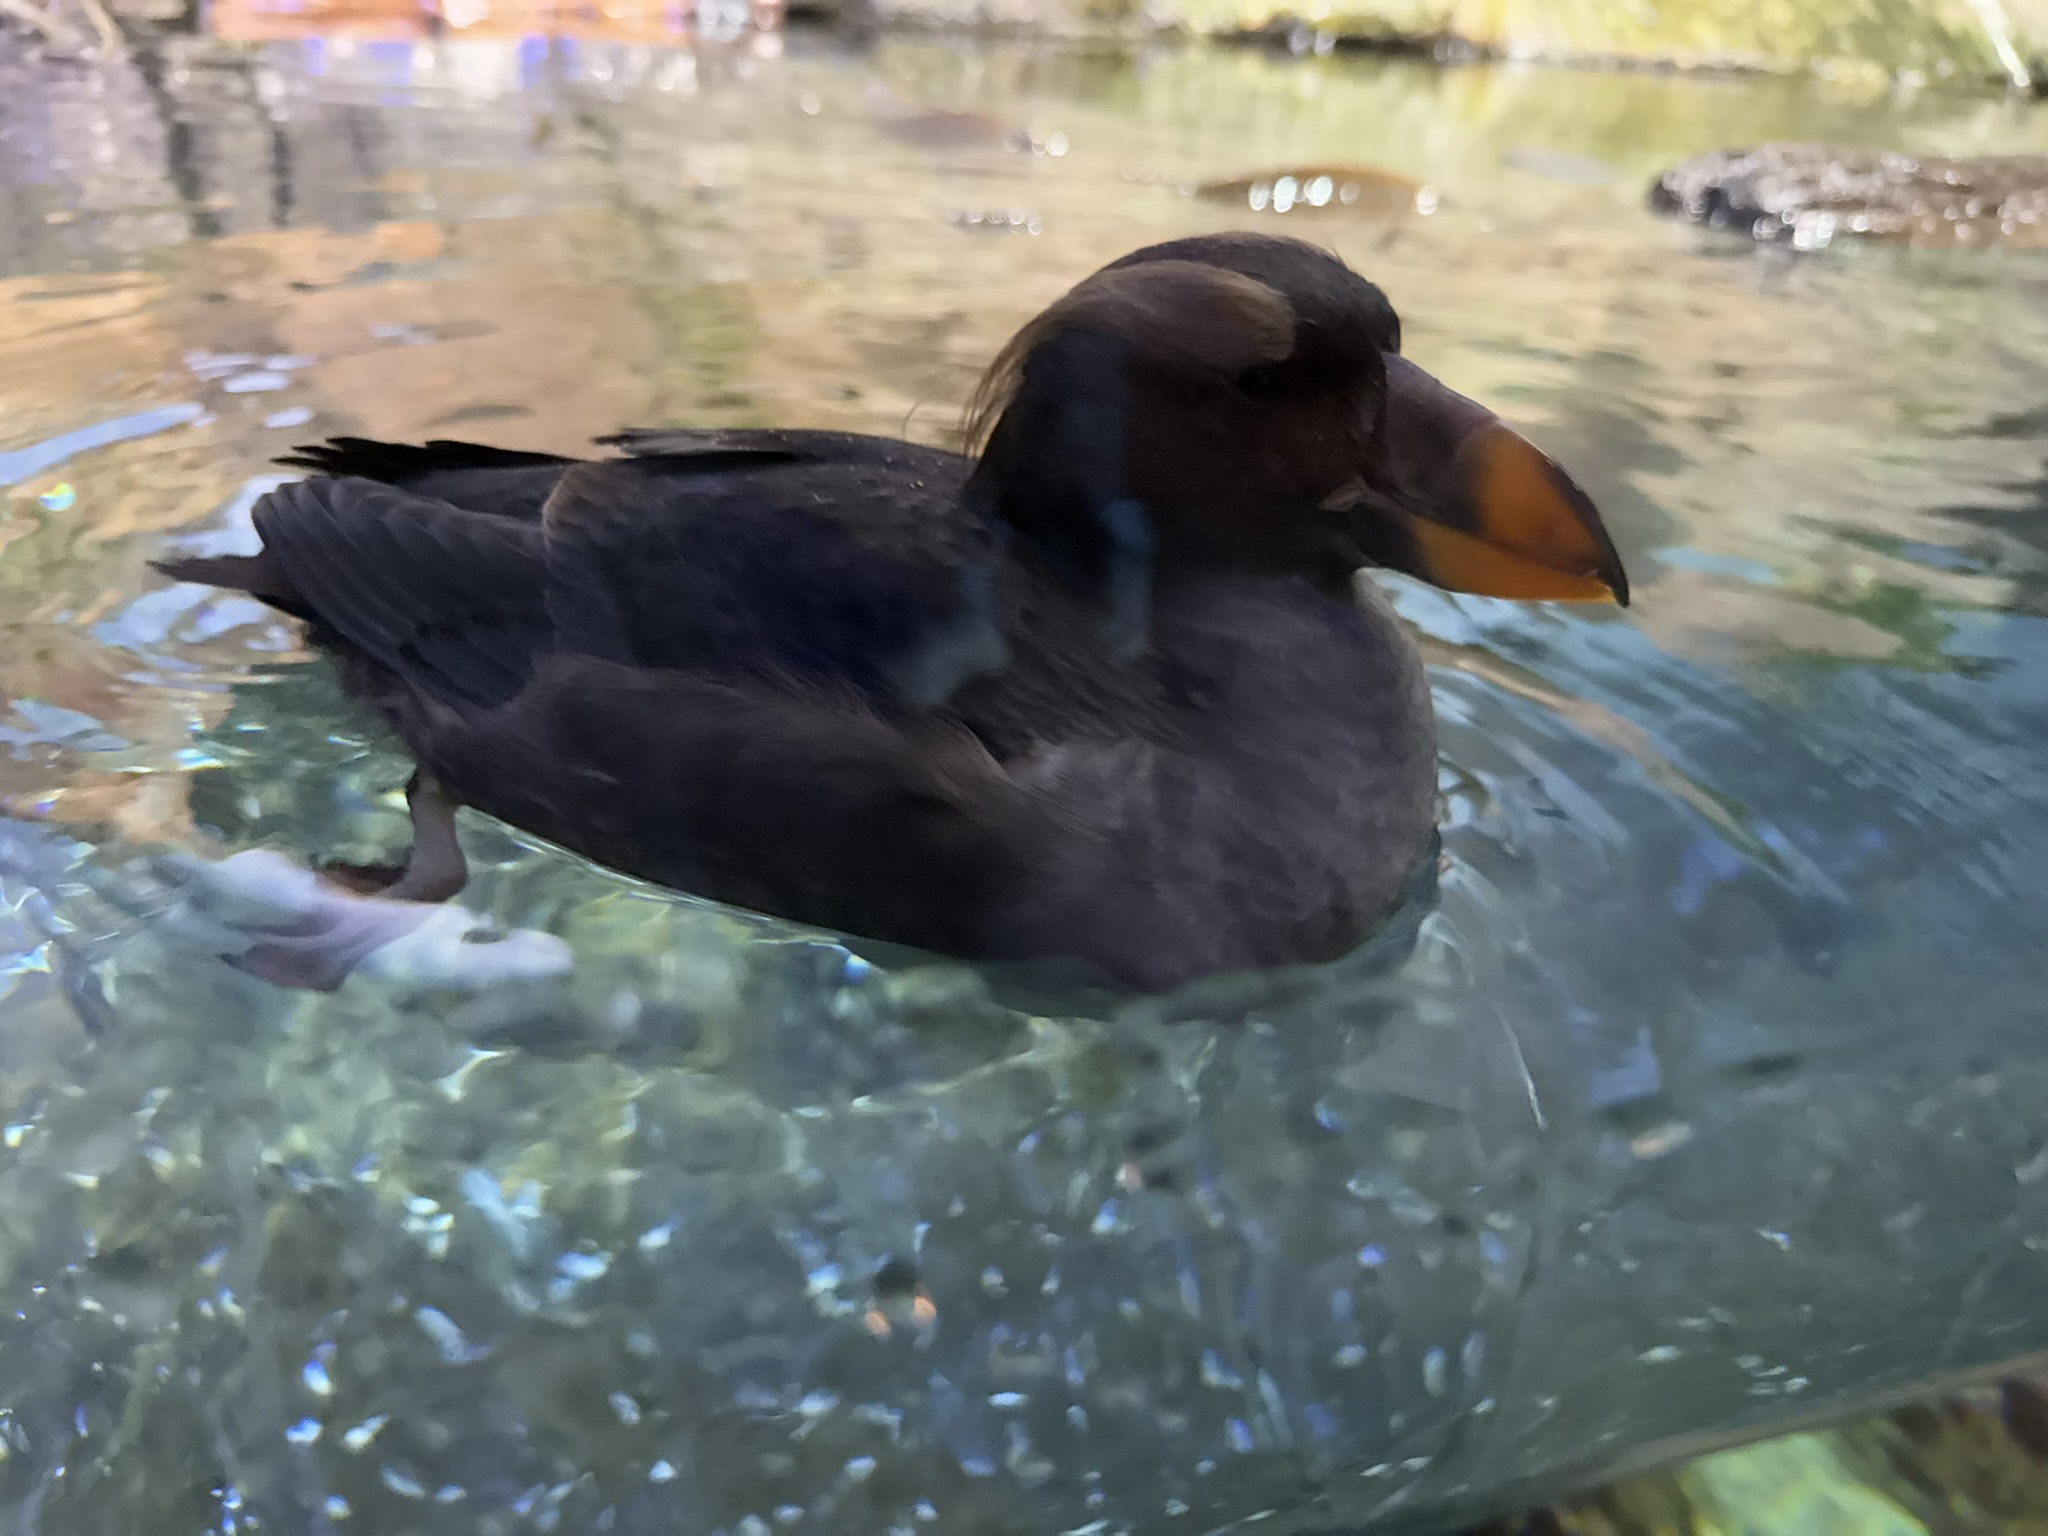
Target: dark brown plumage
{"points": [[1108, 691]]}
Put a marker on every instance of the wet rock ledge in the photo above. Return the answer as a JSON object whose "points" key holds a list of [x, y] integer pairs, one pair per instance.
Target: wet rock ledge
{"points": [[1992, 41], [1989, 42]]}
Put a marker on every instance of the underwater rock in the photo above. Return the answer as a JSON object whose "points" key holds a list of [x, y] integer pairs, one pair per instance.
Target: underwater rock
{"points": [[1359, 191]]}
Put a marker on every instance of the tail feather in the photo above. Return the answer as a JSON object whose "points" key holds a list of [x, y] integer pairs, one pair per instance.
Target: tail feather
{"points": [[257, 574], [397, 463], [473, 476]]}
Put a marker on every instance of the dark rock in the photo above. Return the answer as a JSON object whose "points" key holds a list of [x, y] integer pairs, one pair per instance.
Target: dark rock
{"points": [[1808, 195]]}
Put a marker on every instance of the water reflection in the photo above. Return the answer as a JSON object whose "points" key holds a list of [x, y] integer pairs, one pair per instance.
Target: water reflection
{"points": [[1711, 1091]]}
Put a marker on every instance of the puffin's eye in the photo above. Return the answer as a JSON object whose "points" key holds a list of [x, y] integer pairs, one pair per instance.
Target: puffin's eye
{"points": [[1268, 381]]}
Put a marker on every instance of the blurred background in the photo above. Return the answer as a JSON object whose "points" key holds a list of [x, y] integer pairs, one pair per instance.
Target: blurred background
{"points": [[1691, 1178]]}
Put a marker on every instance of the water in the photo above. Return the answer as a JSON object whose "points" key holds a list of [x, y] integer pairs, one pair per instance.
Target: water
{"points": [[1711, 1095]]}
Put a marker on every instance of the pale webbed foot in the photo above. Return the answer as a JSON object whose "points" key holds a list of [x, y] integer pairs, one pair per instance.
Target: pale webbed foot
{"points": [[265, 915]]}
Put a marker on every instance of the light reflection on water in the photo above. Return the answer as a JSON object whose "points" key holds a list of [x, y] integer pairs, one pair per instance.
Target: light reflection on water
{"points": [[1707, 1090]]}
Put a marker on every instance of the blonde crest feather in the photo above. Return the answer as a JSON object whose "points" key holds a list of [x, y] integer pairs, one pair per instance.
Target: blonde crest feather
{"points": [[1183, 315]]}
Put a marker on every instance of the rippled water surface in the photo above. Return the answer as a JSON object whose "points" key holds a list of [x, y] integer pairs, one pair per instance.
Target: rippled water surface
{"points": [[1714, 1091]]}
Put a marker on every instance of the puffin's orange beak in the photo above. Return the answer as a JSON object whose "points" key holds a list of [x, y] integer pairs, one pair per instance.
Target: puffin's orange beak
{"points": [[1470, 505]]}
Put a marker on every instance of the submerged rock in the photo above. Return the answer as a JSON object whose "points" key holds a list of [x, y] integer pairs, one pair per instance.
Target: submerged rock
{"points": [[1808, 195], [1359, 190]]}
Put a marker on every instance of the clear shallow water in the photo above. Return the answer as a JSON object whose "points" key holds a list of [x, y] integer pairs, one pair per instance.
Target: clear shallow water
{"points": [[1710, 1094]]}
